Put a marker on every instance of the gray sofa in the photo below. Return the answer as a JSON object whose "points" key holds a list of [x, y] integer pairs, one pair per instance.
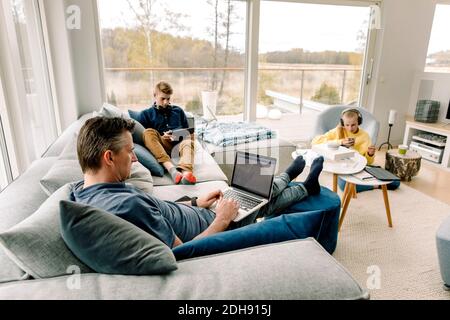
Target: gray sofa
{"points": [[299, 269]]}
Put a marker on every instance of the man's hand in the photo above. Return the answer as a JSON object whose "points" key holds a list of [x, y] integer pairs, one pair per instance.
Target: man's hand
{"points": [[207, 201], [226, 210], [371, 151], [348, 142]]}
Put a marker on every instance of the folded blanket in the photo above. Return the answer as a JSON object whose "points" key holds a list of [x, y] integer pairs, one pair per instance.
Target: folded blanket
{"points": [[225, 134]]}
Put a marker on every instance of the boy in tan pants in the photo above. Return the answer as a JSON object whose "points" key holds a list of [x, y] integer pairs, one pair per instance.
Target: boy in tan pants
{"points": [[160, 120]]}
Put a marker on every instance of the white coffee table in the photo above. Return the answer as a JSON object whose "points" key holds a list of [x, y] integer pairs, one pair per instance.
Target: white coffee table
{"points": [[350, 190], [337, 167]]}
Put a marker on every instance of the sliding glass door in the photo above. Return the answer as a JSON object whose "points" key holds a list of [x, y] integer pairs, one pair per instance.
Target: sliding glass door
{"points": [[311, 57]]}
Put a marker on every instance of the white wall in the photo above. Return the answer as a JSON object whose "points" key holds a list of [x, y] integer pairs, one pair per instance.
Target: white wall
{"points": [[86, 57], [60, 52], [401, 52], [76, 63]]}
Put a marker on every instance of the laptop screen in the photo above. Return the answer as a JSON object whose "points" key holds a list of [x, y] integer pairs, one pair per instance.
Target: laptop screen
{"points": [[254, 173]]}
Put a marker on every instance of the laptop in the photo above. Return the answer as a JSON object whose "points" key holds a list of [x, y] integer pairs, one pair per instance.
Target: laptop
{"points": [[251, 182], [381, 174]]}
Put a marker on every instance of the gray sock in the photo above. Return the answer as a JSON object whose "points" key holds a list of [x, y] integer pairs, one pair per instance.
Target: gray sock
{"points": [[175, 174]]}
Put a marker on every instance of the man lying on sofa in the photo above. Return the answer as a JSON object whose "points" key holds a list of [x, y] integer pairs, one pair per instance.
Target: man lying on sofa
{"points": [[105, 152]]}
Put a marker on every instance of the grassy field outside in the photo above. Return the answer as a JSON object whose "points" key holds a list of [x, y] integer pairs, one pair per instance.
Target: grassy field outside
{"points": [[133, 88]]}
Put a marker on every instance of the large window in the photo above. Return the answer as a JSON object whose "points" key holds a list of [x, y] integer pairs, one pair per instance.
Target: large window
{"points": [[38, 113], [438, 57], [196, 45], [27, 114], [311, 57]]}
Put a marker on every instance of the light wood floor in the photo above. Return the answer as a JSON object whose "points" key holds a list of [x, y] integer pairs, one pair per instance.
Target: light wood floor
{"points": [[431, 180]]}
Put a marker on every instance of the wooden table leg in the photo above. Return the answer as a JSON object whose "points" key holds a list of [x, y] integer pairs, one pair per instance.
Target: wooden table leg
{"points": [[386, 204], [344, 194], [335, 181], [347, 199], [354, 192]]}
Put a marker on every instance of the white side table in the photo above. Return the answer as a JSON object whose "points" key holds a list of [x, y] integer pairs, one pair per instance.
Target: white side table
{"points": [[350, 190], [337, 167]]}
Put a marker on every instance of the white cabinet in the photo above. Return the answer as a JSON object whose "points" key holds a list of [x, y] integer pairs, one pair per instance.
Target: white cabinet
{"points": [[416, 130]]}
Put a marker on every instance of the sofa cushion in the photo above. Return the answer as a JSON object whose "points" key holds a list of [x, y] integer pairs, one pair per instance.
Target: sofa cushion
{"points": [[9, 271], [109, 244], [66, 171], [58, 146], [283, 228], [35, 244], [110, 111], [148, 160], [293, 270], [23, 196], [62, 172], [70, 150]]}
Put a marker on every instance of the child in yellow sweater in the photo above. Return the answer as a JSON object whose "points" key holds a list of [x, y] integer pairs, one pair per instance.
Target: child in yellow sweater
{"points": [[350, 135]]}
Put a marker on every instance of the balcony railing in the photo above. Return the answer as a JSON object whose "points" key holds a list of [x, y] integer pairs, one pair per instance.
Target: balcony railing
{"points": [[297, 81]]}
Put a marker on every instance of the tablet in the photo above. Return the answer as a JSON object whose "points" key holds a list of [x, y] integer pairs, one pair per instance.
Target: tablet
{"points": [[182, 132]]}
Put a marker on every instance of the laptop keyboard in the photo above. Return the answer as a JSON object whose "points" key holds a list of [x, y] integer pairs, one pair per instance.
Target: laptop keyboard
{"points": [[245, 202]]}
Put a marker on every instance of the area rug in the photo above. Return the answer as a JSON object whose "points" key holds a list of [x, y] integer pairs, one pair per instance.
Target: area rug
{"points": [[393, 263]]}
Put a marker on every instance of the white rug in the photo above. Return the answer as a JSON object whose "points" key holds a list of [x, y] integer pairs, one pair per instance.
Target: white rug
{"points": [[393, 263]]}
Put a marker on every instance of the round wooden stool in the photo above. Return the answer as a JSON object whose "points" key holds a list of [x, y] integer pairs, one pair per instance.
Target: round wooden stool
{"points": [[404, 166]]}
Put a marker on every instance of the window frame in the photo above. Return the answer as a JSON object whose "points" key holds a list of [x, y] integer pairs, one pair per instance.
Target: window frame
{"points": [[16, 118]]}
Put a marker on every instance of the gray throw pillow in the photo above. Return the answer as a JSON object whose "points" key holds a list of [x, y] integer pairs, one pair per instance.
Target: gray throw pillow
{"points": [[141, 178], [110, 111], [62, 172], [70, 150], [109, 244], [65, 171], [36, 245]]}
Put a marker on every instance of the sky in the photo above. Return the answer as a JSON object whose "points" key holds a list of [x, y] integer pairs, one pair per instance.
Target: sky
{"points": [[440, 39], [283, 25]]}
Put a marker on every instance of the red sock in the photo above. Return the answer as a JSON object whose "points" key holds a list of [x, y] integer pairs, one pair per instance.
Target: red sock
{"points": [[188, 178], [178, 178]]}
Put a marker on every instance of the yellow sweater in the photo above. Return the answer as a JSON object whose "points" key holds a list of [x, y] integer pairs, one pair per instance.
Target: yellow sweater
{"points": [[362, 140]]}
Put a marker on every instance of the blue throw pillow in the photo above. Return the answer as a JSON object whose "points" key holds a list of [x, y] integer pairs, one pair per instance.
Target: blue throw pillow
{"points": [[138, 128], [146, 158], [283, 228], [112, 245]]}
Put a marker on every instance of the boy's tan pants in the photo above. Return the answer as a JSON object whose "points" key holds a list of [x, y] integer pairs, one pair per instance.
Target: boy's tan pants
{"points": [[163, 150]]}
